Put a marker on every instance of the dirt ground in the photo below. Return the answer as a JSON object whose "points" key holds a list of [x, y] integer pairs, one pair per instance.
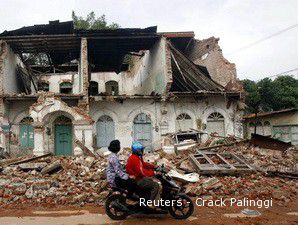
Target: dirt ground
{"points": [[203, 215]]}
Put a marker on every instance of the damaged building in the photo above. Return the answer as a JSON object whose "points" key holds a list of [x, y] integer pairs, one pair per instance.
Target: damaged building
{"points": [[63, 90]]}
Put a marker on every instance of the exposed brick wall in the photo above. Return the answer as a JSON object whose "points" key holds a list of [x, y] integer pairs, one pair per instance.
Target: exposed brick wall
{"points": [[84, 102], [3, 50], [208, 53], [168, 68]]}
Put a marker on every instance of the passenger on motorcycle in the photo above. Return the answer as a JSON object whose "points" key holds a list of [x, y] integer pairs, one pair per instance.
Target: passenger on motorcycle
{"points": [[116, 175], [142, 171]]}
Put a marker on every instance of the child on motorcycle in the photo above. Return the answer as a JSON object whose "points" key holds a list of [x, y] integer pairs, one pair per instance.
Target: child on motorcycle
{"points": [[142, 172], [116, 175]]}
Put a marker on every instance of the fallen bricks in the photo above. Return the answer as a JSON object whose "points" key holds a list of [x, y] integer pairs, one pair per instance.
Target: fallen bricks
{"points": [[16, 161], [52, 168], [32, 166], [83, 180]]}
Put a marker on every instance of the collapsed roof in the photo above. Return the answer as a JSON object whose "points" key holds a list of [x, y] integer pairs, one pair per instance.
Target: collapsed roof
{"points": [[62, 43], [107, 49], [188, 77]]}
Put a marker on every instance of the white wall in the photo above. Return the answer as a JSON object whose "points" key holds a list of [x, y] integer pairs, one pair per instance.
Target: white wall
{"points": [[123, 116], [162, 114], [124, 113], [151, 74], [102, 77], [16, 111], [147, 74], [200, 110], [10, 79], [55, 80]]}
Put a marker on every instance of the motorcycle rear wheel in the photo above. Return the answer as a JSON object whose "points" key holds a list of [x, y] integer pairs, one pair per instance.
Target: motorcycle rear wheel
{"points": [[114, 207], [183, 210]]}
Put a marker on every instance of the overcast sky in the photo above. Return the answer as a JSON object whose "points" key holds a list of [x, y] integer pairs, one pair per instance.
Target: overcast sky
{"points": [[237, 23]]}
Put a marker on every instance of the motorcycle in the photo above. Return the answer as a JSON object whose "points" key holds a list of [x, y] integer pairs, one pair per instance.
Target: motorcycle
{"points": [[180, 207]]}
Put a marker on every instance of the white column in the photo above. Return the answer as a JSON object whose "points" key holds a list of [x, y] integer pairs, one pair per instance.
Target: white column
{"points": [[77, 136], [88, 134], [38, 141]]}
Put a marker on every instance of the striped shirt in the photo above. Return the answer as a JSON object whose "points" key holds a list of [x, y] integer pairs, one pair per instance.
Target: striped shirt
{"points": [[115, 169]]}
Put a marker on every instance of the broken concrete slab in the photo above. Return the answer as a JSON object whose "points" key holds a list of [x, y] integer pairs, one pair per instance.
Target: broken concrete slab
{"points": [[212, 183], [29, 193], [250, 212], [188, 178], [52, 168], [186, 166], [32, 166]]}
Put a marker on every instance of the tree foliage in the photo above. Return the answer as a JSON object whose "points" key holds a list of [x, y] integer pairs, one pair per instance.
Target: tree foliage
{"points": [[91, 22], [271, 95]]}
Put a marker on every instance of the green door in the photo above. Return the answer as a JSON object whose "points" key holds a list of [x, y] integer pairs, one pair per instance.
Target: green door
{"points": [[63, 140], [26, 136]]}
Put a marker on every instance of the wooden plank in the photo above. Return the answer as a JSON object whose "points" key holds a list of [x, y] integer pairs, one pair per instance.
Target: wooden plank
{"points": [[223, 159], [240, 160], [30, 159], [226, 168]]}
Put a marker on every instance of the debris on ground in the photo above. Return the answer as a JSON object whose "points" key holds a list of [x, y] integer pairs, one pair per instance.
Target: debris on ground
{"points": [[250, 212], [80, 180], [185, 178], [216, 163]]}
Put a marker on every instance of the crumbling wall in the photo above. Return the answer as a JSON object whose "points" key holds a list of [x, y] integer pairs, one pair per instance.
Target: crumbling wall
{"points": [[16, 111], [284, 119], [46, 109], [10, 80], [123, 115], [149, 73], [54, 81], [102, 77], [163, 115], [2, 56], [199, 111], [208, 53], [152, 73], [84, 75]]}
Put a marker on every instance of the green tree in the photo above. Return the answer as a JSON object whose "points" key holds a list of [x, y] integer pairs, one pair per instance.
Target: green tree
{"points": [[253, 98], [271, 95], [286, 93], [267, 94], [91, 22]]}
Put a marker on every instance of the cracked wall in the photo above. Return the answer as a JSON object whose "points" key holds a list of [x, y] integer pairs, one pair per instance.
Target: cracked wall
{"points": [[208, 53]]}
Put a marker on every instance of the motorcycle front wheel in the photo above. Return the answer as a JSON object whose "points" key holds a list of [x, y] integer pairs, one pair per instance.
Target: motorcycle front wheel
{"points": [[116, 208], [182, 207]]}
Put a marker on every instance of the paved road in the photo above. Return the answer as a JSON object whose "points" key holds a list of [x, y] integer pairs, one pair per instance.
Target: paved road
{"points": [[96, 216]]}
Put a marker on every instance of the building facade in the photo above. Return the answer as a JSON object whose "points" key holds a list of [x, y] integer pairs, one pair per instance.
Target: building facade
{"points": [[63, 88], [282, 125]]}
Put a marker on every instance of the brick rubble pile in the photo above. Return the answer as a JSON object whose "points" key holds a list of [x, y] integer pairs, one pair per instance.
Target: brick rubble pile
{"points": [[82, 179]]}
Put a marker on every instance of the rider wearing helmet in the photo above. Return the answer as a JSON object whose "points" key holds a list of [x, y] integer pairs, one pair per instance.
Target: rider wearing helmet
{"points": [[142, 171], [116, 175]]}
